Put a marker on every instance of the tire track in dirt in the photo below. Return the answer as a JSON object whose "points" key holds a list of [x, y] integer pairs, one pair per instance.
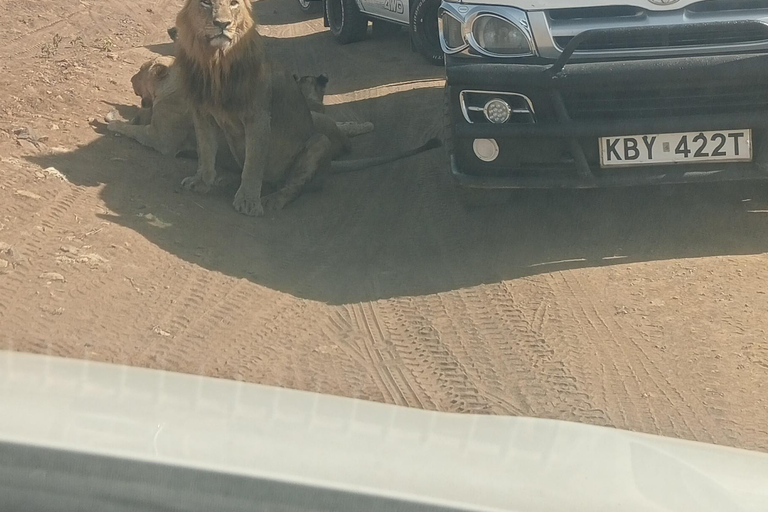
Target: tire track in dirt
{"points": [[632, 369], [17, 47], [709, 405], [550, 315], [472, 345], [426, 359], [287, 342], [617, 377], [35, 243], [334, 366], [192, 301], [373, 343], [361, 377], [19, 178], [536, 362], [237, 322], [231, 321]]}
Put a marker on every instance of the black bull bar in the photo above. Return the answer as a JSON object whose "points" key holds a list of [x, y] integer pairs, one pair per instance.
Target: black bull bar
{"points": [[549, 81]]}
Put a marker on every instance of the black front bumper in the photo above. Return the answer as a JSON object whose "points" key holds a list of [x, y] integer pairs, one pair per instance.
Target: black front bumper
{"points": [[561, 148]]}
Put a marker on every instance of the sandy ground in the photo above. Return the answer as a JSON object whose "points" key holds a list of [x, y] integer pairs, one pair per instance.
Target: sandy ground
{"points": [[637, 309]]}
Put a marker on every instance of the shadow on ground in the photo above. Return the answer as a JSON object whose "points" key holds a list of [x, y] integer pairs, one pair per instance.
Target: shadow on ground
{"points": [[401, 230], [283, 12]]}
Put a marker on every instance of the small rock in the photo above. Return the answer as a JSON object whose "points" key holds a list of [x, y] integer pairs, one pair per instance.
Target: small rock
{"points": [[52, 171], [28, 134], [52, 311], [154, 221], [54, 126], [28, 194], [59, 98], [92, 259], [69, 249], [4, 247], [3, 263], [112, 56], [157, 330], [52, 276]]}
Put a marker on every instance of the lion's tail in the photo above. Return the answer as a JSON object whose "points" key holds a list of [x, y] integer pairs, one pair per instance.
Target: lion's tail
{"points": [[344, 166]]}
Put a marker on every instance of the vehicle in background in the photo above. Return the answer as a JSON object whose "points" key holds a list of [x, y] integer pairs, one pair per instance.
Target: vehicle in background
{"points": [[311, 6], [592, 93], [348, 21]]}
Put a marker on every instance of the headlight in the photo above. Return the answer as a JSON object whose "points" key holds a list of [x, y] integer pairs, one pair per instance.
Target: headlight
{"points": [[498, 36], [451, 34], [490, 30]]}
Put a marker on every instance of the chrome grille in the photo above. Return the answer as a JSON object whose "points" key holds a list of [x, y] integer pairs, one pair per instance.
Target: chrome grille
{"points": [[705, 27], [656, 102], [694, 35]]}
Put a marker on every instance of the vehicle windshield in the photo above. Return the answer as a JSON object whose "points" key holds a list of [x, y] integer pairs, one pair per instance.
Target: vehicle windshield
{"points": [[539, 208]]}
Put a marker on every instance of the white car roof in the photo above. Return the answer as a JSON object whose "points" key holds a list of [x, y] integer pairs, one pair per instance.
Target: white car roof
{"points": [[470, 462]]}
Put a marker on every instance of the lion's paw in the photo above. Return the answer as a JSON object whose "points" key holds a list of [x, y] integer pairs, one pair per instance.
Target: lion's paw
{"points": [[195, 184], [275, 201], [248, 206]]}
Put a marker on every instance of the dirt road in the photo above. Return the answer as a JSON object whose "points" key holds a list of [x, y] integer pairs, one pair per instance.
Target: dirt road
{"points": [[637, 309]]}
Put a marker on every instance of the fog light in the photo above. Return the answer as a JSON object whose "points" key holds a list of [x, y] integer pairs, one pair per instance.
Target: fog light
{"points": [[486, 149], [497, 111]]}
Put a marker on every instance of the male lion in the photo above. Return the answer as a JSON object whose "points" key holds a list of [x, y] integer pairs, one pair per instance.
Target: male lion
{"points": [[233, 85]]}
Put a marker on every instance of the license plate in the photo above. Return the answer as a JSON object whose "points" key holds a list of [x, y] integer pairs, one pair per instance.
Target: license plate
{"points": [[676, 148]]}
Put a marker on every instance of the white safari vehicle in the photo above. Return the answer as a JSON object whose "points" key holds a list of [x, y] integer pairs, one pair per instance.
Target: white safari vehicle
{"points": [[590, 93], [348, 21]]}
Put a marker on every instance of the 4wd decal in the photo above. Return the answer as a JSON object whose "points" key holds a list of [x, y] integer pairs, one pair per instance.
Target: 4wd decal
{"points": [[395, 6]]}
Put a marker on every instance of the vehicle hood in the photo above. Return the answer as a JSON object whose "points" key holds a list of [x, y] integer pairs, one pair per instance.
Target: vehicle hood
{"points": [[539, 5], [469, 462]]}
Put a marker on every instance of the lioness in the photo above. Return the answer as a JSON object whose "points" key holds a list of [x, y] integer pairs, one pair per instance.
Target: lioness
{"points": [[165, 121], [232, 84]]}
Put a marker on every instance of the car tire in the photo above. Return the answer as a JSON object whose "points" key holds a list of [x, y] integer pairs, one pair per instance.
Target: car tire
{"points": [[347, 23], [424, 32], [310, 7]]}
